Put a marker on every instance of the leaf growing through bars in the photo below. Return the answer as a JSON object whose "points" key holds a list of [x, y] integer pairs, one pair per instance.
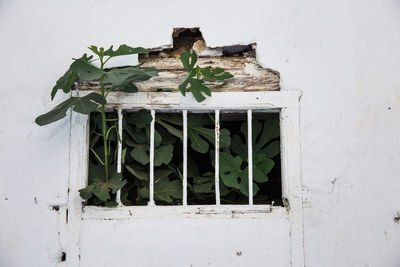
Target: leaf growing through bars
{"points": [[200, 130], [100, 188], [67, 80], [84, 105], [233, 175], [122, 78], [85, 69], [164, 190], [125, 50], [264, 148]]}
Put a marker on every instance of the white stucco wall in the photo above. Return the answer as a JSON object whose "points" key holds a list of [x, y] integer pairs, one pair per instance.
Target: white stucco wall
{"points": [[343, 55]]}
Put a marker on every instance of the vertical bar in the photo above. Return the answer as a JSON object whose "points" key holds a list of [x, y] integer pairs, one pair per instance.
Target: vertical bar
{"points": [[217, 126], [119, 153], [151, 191], [250, 154], [184, 182]]}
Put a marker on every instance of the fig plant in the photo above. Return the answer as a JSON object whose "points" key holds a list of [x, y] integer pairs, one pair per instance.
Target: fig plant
{"points": [[106, 180], [168, 167]]}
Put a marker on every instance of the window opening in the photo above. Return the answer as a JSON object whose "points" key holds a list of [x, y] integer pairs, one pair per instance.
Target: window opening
{"points": [[176, 146], [168, 158], [96, 153], [266, 158], [200, 156]]}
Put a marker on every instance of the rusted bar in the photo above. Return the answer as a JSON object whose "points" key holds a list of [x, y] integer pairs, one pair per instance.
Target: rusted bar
{"points": [[217, 128]]}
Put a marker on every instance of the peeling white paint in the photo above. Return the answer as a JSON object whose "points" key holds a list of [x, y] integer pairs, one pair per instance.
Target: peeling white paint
{"points": [[253, 70]]}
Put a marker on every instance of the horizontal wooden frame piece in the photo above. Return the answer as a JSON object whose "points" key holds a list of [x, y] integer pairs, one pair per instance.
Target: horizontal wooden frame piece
{"points": [[190, 211], [268, 100], [248, 75]]}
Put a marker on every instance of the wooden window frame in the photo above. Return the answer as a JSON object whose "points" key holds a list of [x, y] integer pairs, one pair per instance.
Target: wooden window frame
{"points": [[284, 102]]}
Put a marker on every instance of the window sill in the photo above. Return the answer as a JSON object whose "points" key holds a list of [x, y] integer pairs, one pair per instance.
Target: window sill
{"points": [[190, 211]]}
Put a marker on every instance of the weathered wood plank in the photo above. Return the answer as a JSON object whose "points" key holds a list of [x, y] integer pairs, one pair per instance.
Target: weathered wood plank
{"points": [[248, 75]]}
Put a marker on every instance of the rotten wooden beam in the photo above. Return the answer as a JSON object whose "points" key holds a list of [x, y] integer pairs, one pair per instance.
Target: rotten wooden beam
{"points": [[238, 60]]}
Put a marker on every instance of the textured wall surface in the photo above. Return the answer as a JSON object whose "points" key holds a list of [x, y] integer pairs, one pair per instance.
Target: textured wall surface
{"points": [[343, 55]]}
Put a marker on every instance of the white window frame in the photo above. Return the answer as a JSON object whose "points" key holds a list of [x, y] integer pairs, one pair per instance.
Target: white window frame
{"points": [[284, 102]]}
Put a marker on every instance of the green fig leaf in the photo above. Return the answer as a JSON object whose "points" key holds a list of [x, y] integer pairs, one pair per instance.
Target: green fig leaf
{"points": [[84, 105]]}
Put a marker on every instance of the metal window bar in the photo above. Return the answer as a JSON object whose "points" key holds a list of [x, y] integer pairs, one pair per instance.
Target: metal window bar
{"points": [[250, 154], [119, 155], [184, 181], [217, 128], [151, 186]]}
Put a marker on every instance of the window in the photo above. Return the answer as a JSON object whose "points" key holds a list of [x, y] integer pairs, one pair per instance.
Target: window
{"points": [[283, 102], [227, 110], [252, 98]]}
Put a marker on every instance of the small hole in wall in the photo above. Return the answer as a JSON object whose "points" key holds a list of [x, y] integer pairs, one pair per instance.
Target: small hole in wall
{"points": [[55, 207], [191, 38], [184, 38], [63, 256], [238, 50]]}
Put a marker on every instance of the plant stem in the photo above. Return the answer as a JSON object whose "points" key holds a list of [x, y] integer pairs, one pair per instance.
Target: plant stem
{"points": [[104, 124], [97, 156], [103, 118]]}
